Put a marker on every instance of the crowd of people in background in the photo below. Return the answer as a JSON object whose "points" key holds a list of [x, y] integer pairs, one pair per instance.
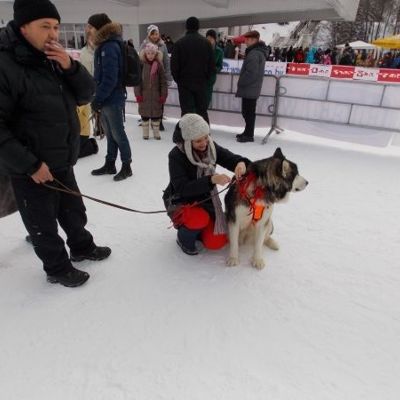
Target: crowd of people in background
{"points": [[316, 55]]}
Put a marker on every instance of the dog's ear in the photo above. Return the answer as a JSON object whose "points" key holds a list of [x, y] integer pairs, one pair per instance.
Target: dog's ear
{"points": [[278, 154], [285, 168]]}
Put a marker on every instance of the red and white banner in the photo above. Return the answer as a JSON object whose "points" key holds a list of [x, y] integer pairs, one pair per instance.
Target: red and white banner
{"points": [[345, 72], [298, 69], [342, 72], [389, 75]]}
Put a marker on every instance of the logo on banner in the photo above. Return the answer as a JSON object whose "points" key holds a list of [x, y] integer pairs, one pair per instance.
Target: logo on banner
{"points": [[321, 70], [298, 69], [389, 75], [366, 74], [275, 68], [342, 72]]}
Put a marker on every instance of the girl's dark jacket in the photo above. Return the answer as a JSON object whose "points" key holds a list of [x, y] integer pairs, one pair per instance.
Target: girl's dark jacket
{"points": [[38, 119], [185, 187]]}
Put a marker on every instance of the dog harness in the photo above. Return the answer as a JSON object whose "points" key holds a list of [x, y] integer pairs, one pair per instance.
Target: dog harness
{"points": [[256, 209]]}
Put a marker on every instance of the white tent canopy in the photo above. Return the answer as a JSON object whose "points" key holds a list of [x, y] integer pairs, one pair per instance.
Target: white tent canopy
{"points": [[359, 45]]}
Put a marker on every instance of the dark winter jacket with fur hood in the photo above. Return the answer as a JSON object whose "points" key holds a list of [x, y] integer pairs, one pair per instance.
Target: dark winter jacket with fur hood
{"points": [[252, 73], [151, 90], [38, 120], [108, 66]]}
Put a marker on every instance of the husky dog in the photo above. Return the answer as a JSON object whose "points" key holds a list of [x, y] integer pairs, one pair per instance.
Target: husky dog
{"points": [[249, 204]]}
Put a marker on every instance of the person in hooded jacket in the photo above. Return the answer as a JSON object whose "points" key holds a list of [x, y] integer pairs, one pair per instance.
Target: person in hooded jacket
{"points": [[40, 88], [110, 97], [152, 92], [250, 82], [193, 178]]}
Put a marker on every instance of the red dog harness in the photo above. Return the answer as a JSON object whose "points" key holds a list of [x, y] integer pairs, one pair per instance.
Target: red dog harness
{"points": [[243, 185]]}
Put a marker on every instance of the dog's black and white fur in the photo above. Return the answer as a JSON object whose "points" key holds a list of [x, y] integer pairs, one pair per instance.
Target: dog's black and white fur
{"points": [[277, 176]]}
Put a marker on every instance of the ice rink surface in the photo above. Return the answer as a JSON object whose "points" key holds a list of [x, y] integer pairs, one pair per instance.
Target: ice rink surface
{"points": [[321, 321]]}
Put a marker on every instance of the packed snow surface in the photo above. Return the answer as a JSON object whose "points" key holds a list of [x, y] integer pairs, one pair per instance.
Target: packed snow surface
{"points": [[321, 321]]}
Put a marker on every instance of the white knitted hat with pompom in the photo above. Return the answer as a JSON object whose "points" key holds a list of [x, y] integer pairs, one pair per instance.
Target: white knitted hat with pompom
{"points": [[193, 127]]}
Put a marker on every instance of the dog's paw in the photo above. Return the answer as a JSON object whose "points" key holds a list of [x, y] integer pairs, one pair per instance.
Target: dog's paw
{"points": [[258, 263], [232, 261], [271, 243]]}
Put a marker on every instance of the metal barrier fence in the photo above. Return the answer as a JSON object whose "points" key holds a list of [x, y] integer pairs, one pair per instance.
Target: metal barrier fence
{"points": [[356, 104]]}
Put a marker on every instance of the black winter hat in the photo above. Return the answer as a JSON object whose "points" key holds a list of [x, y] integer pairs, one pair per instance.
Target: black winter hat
{"points": [[212, 33], [99, 20], [26, 11], [192, 24]]}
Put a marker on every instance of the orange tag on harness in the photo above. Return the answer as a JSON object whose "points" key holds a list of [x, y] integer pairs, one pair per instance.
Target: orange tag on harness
{"points": [[258, 212]]}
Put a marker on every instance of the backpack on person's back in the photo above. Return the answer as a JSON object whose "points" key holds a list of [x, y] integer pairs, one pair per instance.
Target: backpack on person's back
{"points": [[132, 70]]}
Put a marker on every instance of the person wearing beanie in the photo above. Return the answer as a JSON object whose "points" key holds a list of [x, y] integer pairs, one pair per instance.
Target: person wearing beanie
{"points": [[192, 66], [152, 91], [40, 88], [97, 21], [110, 97], [250, 82], [153, 36], [193, 178], [211, 36]]}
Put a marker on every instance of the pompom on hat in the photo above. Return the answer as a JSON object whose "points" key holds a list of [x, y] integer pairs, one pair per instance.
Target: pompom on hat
{"points": [[26, 11]]}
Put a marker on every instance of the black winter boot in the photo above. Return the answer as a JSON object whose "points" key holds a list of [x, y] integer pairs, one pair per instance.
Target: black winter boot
{"points": [[125, 172], [97, 254], [107, 169], [72, 277], [162, 128], [244, 138]]}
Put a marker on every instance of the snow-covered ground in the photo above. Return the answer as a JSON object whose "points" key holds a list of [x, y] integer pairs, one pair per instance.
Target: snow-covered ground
{"points": [[321, 321]]}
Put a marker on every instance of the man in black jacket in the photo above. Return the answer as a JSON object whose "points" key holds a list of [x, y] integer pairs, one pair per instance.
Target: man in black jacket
{"points": [[192, 66], [40, 87], [250, 82]]}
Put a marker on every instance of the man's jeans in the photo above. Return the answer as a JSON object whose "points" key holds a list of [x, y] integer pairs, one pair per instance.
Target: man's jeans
{"points": [[112, 118]]}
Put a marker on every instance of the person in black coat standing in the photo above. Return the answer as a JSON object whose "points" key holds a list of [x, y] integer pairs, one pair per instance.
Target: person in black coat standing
{"points": [[193, 179], [192, 66], [250, 82], [40, 88]]}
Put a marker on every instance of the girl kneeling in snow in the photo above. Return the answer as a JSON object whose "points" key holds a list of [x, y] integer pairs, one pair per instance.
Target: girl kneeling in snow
{"points": [[152, 92], [193, 179]]}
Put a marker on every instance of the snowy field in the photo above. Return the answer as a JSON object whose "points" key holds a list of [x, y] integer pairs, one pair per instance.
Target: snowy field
{"points": [[321, 321]]}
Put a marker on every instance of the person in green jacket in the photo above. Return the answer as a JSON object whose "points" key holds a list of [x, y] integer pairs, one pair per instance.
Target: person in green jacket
{"points": [[211, 36]]}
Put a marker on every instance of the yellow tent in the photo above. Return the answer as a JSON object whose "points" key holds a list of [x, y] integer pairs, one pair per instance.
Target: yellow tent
{"points": [[390, 42]]}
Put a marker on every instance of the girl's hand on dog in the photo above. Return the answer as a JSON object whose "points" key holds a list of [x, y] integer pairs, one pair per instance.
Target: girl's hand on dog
{"points": [[240, 170], [220, 179]]}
